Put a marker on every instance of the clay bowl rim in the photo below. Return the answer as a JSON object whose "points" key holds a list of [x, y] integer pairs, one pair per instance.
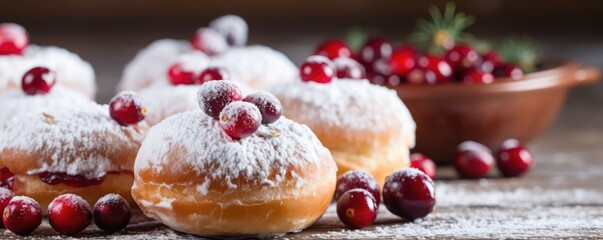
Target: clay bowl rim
{"points": [[564, 74]]}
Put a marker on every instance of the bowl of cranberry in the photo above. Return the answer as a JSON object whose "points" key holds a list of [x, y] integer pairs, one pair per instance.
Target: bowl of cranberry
{"points": [[460, 94]]}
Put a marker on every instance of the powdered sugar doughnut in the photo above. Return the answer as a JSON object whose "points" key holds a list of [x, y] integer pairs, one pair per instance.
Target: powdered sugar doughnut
{"points": [[366, 127], [194, 178], [152, 63], [164, 100], [70, 69], [16, 102], [257, 66], [81, 151]]}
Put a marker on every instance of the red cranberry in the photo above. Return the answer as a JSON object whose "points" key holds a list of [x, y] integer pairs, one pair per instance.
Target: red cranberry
{"points": [[475, 76], [6, 178], [357, 179], [38, 80], [233, 28], [77, 181], [381, 66], [22, 215], [334, 48], [5, 196], [421, 75], [69, 214], [112, 213], [508, 70], [375, 49], [441, 68], [490, 60], [462, 56], [269, 106], [13, 39], [409, 194], [240, 119], [317, 69], [357, 208], [423, 163], [127, 108], [213, 73], [213, 96], [513, 158], [209, 41], [403, 59], [473, 160], [178, 75], [349, 68]]}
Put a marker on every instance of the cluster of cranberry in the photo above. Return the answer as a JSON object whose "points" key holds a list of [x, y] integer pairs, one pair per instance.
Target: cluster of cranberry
{"points": [[13, 39], [68, 214], [407, 193], [474, 160], [239, 117], [382, 64]]}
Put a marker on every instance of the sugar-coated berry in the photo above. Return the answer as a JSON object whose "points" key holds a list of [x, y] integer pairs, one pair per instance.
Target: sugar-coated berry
{"points": [[213, 96], [112, 213], [270, 107], [127, 108], [5, 196], [38, 80], [357, 179], [22, 215], [348, 68], [423, 163], [233, 28], [473, 160], [375, 49], [240, 119], [69, 214], [13, 39], [357, 208], [209, 41], [508, 70], [180, 76], [513, 158], [475, 76], [212, 74], [334, 48], [409, 194], [403, 60], [317, 69]]}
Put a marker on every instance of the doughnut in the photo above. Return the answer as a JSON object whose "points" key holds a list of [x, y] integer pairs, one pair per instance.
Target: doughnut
{"points": [[71, 71], [365, 126], [70, 150], [192, 177], [163, 100], [257, 66], [15, 102]]}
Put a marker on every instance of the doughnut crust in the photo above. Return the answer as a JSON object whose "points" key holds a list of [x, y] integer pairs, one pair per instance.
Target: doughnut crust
{"points": [[366, 127], [193, 178]]}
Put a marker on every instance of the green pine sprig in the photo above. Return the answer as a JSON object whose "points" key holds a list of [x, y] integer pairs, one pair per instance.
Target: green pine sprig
{"points": [[521, 50]]}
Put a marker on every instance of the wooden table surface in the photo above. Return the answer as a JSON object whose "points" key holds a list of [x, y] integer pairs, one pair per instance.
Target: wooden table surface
{"points": [[561, 198]]}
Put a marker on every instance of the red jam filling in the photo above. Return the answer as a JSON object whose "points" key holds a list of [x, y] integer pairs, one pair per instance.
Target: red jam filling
{"points": [[6, 178]]}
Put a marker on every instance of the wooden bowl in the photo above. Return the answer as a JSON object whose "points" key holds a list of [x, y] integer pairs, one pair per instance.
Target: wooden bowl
{"points": [[447, 115]]}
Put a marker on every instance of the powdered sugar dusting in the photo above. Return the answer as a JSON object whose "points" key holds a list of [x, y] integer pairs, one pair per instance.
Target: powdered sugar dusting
{"points": [[16, 102], [111, 198], [350, 104], [151, 64], [210, 41], [129, 96], [5, 192], [360, 176], [74, 200], [70, 69], [232, 27], [214, 89], [69, 135], [257, 66], [271, 150], [473, 146]]}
